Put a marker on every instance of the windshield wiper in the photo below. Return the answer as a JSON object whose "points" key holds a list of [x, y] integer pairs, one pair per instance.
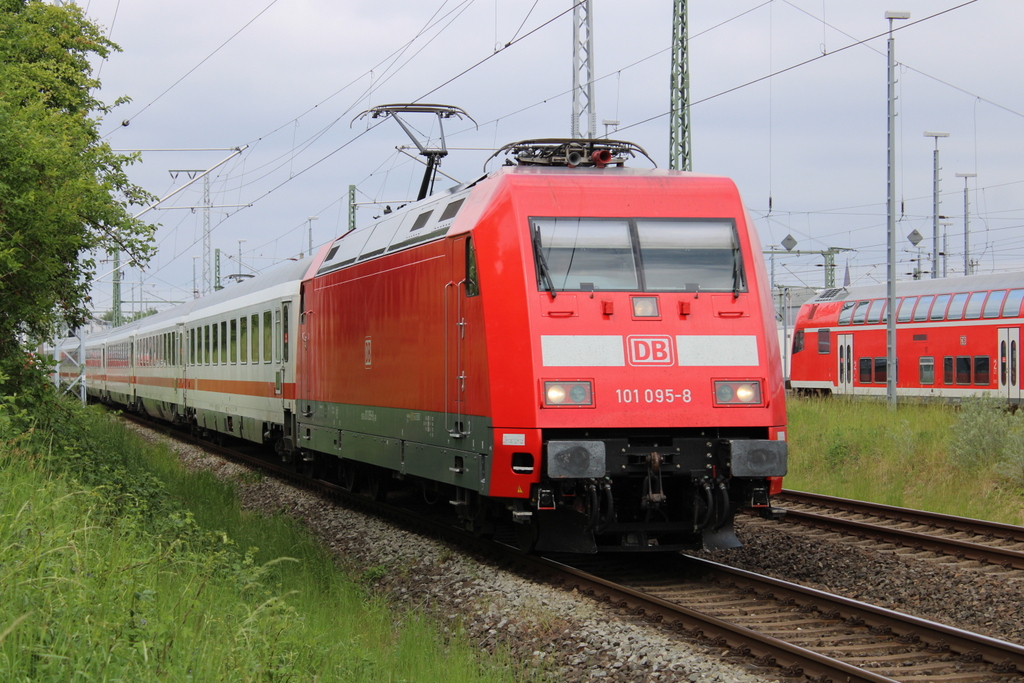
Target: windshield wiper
{"points": [[542, 264]]}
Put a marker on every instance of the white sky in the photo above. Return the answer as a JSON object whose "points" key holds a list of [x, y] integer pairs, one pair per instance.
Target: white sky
{"points": [[813, 137]]}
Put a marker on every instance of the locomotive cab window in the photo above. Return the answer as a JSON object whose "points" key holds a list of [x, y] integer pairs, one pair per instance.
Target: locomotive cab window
{"points": [[658, 255]]}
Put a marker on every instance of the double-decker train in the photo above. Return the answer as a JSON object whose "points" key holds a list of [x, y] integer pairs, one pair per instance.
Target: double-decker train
{"points": [[955, 338], [584, 350]]}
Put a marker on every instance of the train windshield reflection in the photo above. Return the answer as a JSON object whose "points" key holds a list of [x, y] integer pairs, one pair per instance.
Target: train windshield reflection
{"points": [[661, 255]]}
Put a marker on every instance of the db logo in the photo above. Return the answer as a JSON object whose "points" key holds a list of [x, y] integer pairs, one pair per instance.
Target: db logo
{"points": [[651, 350]]}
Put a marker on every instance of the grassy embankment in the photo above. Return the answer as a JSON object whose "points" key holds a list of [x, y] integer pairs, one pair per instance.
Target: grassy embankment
{"points": [[966, 461], [116, 564]]}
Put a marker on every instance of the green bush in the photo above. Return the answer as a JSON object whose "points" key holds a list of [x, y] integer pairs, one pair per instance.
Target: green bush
{"points": [[980, 432]]}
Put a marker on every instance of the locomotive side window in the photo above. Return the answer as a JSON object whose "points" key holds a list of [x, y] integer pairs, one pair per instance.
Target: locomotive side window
{"points": [[921, 311], [824, 341], [860, 314], [956, 307], [939, 309], [926, 370], [994, 304], [680, 256], [906, 309], [864, 366], [584, 250], [947, 370], [1011, 309], [974, 304], [846, 312], [472, 285], [982, 370], [963, 369]]}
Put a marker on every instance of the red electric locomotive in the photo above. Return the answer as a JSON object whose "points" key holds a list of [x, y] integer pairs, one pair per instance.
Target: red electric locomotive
{"points": [[583, 349], [586, 348], [955, 338]]}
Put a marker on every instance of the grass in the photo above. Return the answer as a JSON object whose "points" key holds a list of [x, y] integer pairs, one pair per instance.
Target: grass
{"points": [[117, 564], [966, 460]]}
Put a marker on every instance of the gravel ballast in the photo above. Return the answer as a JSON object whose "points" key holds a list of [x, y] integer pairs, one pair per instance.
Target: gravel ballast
{"points": [[564, 635]]}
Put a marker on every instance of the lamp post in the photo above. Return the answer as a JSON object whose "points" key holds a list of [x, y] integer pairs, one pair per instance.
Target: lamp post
{"points": [[240, 256], [935, 200], [310, 220], [967, 222], [890, 325]]}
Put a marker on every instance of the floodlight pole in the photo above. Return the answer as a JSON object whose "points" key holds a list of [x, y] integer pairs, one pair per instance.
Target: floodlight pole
{"points": [[935, 201], [967, 222], [890, 325]]}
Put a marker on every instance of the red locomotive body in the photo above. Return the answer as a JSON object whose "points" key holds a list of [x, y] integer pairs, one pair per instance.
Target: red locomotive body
{"points": [[553, 346], [955, 338]]}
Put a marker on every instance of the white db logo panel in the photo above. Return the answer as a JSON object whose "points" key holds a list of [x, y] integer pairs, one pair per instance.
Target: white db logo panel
{"points": [[651, 350]]}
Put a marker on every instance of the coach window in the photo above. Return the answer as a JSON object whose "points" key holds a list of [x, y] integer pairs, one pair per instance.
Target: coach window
{"points": [[268, 337], [824, 341], [192, 346], [206, 344], [947, 370], [224, 342], [846, 312], [921, 311], [906, 309], [876, 311], [974, 304], [860, 314], [254, 334], [277, 335], [939, 309], [1011, 309], [864, 367], [234, 341], [926, 370], [963, 369], [956, 306], [215, 343], [243, 340], [994, 304], [880, 371], [285, 345], [982, 369]]}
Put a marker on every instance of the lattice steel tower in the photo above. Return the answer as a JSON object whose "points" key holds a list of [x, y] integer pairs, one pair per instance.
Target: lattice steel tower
{"points": [[583, 70], [679, 107]]}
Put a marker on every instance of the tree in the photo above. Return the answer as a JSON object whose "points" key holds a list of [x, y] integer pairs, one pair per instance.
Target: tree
{"points": [[64, 194]]}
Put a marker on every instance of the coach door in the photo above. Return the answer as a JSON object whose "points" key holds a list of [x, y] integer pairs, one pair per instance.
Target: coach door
{"points": [[1009, 363], [844, 371], [455, 340]]}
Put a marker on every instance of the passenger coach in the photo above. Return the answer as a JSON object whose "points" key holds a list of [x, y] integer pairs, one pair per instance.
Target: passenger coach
{"points": [[955, 338]]}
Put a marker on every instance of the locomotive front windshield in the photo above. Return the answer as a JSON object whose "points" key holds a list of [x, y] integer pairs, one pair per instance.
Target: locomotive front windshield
{"points": [[637, 254]]}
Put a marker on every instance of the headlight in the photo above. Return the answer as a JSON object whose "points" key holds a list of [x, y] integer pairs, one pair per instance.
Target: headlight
{"points": [[645, 307], [738, 393], [567, 394]]}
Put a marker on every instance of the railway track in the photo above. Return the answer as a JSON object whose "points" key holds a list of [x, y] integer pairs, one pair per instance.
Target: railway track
{"points": [[989, 543], [782, 630]]}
